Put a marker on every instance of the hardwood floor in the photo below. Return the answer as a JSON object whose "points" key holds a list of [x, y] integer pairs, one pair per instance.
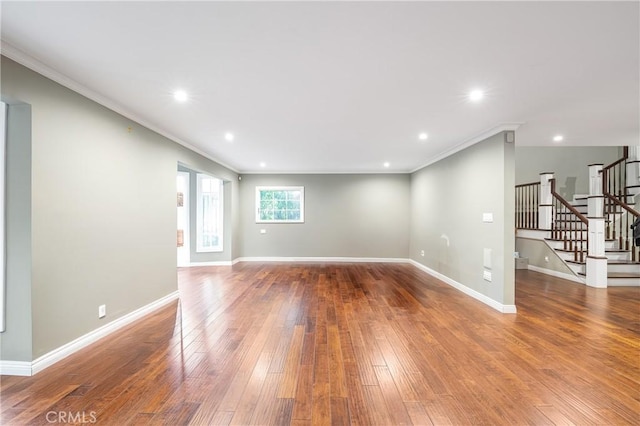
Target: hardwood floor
{"points": [[350, 344]]}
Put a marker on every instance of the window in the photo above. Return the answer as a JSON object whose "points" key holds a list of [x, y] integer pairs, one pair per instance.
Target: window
{"points": [[209, 223], [280, 204]]}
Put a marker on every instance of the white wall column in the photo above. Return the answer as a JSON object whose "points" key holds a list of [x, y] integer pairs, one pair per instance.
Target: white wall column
{"points": [[545, 209], [596, 260]]}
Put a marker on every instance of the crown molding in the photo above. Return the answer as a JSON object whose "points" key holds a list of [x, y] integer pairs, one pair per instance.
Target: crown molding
{"points": [[23, 58], [324, 172], [503, 127]]}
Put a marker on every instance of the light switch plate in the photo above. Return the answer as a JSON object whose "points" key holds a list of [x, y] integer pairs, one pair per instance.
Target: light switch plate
{"points": [[487, 217]]}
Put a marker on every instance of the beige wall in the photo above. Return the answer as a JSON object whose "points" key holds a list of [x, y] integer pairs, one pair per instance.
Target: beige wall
{"points": [[103, 210], [345, 216], [448, 199], [536, 251]]}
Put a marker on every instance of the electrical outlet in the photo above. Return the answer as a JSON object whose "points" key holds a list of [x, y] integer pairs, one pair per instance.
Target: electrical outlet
{"points": [[546, 258], [486, 275], [102, 311], [422, 253], [263, 231]]}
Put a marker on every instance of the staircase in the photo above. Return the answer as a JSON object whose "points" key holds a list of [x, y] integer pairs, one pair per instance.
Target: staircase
{"points": [[623, 267], [601, 219]]}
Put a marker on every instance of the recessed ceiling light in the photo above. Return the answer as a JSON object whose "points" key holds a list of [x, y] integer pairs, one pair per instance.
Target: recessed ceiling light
{"points": [[386, 164], [263, 164], [228, 136], [180, 96], [476, 95], [423, 136], [558, 138]]}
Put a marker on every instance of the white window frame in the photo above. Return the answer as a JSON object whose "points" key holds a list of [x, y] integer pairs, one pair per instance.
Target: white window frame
{"points": [[199, 214], [279, 188]]}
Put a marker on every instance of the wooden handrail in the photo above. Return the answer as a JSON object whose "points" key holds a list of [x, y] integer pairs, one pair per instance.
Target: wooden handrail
{"points": [[621, 204], [566, 203], [625, 156], [605, 186], [527, 184]]}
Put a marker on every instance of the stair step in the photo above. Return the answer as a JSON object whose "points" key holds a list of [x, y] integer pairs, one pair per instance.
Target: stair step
{"points": [[613, 255], [623, 275], [616, 279], [623, 267], [618, 255], [629, 195], [623, 280], [568, 255], [576, 267], [619, 275], [555, 243]]}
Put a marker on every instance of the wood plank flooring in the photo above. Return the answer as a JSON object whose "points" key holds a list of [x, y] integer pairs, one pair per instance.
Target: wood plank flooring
{"points": [[362, 344]]}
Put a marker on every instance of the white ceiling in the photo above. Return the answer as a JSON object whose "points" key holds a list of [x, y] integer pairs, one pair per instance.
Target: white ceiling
{"points": [[344, 86]]}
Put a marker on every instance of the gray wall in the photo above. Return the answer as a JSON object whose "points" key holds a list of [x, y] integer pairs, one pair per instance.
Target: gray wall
{"points": [[103, 210], [448, 199], [16, 341], [568, 163], [536, 251], [345, 216]]}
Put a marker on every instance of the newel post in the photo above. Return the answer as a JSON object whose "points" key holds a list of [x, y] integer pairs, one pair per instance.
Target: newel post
{"points": [[545, 209], [596, 266]]}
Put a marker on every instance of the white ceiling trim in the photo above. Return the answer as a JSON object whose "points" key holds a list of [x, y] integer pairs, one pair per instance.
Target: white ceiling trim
{"points": [[326, 172], [503, 127], [32, 63]]}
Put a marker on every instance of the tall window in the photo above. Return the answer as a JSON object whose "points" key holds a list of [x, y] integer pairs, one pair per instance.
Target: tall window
{"points": [[284, 204], [209, 220]]}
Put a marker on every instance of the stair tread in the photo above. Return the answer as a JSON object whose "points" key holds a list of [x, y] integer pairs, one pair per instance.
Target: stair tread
{"points": [[617, 275], [610, 262], [584, 239], [623, 275]]}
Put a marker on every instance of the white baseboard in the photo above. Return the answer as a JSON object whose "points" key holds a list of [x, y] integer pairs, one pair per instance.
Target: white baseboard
{"points": [[219, 263], [322, 259], [557, 274], [15, 368], [505, 309], [47, 360]]}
